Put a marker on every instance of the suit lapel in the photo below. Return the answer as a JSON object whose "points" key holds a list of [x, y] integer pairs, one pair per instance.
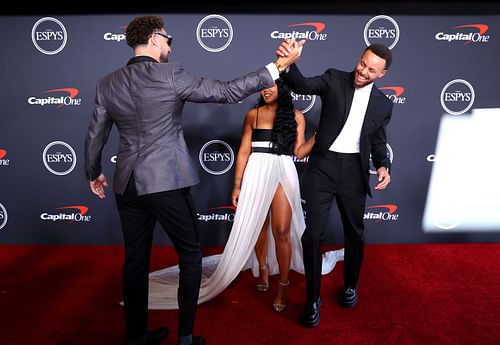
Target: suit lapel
{"points": [[349, 95], [370, 110]]}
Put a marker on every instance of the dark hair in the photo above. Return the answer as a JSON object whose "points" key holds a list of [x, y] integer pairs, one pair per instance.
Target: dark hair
{"points": [[140, 29], [284, 127], [382, 52]]}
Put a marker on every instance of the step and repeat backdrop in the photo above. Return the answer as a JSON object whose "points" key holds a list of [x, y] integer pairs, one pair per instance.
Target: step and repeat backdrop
{"points": [[443, 137]]}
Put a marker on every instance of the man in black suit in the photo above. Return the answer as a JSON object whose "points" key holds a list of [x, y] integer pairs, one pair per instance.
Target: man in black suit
{"points": [[352, 126], [154, 170]]}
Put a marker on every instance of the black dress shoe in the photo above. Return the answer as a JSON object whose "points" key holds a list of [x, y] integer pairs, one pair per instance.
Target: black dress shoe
{"points": [[152, 338], [348, 297], [310, 315]]}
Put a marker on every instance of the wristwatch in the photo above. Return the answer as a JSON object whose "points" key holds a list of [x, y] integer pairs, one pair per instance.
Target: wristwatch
{"points": [[278, 66]]}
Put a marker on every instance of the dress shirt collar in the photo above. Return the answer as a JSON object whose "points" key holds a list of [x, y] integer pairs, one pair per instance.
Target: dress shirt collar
{"points": [[366, 88]]}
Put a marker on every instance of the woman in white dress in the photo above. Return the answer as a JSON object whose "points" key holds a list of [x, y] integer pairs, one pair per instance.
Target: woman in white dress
{"points": [[269, 219], [272, 132]]}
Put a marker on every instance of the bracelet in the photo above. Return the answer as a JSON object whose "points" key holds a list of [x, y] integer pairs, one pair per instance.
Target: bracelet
{"points": [[278, 66]]}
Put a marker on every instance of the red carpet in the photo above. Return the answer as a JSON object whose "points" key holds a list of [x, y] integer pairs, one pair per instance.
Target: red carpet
{"points": [[409, 294]]}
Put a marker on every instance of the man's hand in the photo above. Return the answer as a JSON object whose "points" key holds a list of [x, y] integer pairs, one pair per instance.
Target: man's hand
{"points": [[97, 186], [383, 178], [289, 52]]}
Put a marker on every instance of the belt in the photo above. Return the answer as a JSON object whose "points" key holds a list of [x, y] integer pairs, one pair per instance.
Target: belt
{"points": [[342, 155], [264, 149]]}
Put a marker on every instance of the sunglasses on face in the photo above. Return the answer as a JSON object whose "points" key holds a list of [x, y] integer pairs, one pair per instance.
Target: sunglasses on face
{"points": [[169, 38]]}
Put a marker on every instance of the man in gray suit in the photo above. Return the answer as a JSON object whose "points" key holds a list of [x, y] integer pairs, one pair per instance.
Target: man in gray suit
{"points": [[154, 170]]}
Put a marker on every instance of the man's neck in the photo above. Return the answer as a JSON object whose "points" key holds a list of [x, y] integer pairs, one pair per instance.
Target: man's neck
{"points": [[140, 58], [144, 51]]}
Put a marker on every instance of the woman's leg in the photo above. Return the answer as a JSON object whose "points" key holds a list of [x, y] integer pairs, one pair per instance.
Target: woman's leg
{"points": [[261, 254], [281, 217]]}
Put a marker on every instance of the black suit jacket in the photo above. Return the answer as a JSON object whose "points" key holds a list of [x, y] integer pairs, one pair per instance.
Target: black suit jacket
{"points": [[336, 90]]}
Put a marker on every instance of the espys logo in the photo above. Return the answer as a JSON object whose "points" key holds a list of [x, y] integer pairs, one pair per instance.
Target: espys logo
{"points": [[390, 154], [477, 36], [457, 97], [220, 214], [3, 216], [59, 158], [380, 213], [4, 161], [216, 157], [214, 33], [68, 99], [396, 94], [49, 35], [447, 219], [382, 29], [303, 102], [311, 35], [71, 216]]}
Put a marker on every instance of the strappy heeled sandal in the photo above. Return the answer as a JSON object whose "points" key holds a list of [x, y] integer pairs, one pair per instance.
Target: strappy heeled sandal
{"points": [[263, 283], [282, 294]]}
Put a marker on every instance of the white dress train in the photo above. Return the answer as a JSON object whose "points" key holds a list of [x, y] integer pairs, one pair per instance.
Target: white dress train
{"points": [[263, 173]]}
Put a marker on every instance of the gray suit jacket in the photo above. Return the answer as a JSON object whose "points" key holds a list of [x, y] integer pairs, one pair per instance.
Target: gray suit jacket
{"points": [[145, 100]]}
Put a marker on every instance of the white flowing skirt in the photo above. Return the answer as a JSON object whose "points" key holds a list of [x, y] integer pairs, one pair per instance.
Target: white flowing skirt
{"points": [[263, 173]]}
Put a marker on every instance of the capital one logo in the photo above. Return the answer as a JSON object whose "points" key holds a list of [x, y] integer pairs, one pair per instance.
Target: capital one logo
{"points": [[379, 213], [67, 213], [395, 94], [310, 35], [382, 29], [214, 33], [457, 97], [59, 158], [3, 216], [220, 214], [68, 98], [303, 102], [4, 161], [431, 158], [109, 36], [49, 35], [390, 155], [478, 34], [216, 157]]}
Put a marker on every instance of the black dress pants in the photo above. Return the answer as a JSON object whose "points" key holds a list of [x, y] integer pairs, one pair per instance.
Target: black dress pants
{"points": [[174, 210], [339, 177]]}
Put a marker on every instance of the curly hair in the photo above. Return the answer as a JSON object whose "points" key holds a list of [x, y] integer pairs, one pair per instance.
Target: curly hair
{"points": [[284, 127], [140, 29]]}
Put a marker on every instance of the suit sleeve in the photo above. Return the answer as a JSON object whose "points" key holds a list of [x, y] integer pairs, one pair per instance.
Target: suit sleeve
{"points": [[379, 152], [202, 90], [305, 85], [97, 136]]}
